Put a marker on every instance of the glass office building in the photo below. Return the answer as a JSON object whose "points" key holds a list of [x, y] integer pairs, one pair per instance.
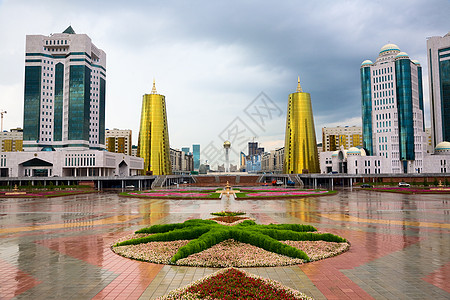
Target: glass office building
{"points": [[64, 99], [300, 153], [196, 153], [392, 109], [438, 50], [153, 143]]}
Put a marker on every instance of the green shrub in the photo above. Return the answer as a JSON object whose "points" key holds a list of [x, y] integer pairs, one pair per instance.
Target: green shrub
{"points": [[177, 234], [169, 227], [435, 182]]}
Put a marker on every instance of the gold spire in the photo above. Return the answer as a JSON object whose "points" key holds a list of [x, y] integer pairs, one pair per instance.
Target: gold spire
{"points": [[154, 87], [299, 87]]}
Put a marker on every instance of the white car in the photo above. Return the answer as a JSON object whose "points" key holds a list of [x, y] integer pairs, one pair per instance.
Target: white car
{"points": [[403, 184]]}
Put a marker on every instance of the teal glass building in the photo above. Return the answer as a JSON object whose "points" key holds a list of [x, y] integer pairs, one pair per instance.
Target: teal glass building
{"points": [[392, 110], [438, 51], [196, 153], [64, 99]]}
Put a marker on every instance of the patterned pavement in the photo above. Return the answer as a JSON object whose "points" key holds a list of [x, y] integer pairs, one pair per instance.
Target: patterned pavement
{"points": [[59, 248]]}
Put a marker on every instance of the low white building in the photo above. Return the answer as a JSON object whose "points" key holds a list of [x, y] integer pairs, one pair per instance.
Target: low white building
{"points": [[355, 161], [48, 163]]}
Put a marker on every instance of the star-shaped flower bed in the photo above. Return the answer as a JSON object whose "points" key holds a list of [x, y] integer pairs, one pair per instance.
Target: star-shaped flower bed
{"points": [[188, 239], [233, 283]]}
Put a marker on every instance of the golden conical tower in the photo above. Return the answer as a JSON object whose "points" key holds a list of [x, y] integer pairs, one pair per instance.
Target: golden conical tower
{"points": [[153, 143], [300, 147]]}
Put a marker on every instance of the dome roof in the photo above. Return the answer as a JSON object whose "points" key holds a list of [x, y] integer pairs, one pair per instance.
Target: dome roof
{"points": [[366, 62], [227, 144], [335, 153], [389, 47], [356, 151], [402, 55], [415, 61], [442, 146]]}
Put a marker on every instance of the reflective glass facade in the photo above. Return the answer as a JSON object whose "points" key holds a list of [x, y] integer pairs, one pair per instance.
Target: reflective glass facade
{"points": [[32, 103], [101, 117], [196, 153], [405, 109], [59, 102], [153, 143], [79, 102], [300, 154], [366, 96], [444, 76]]}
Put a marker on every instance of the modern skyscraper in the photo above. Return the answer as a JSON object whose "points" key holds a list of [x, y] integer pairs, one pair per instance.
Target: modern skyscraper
{"points": [[439, 79], [392, 109], [153, 143], [185, 150], [196, 152], [64, 103], [300, 153]]}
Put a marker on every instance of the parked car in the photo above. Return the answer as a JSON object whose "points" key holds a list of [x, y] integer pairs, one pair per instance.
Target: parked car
{"points": [[403, 184], [366, 186], [290, 183]]}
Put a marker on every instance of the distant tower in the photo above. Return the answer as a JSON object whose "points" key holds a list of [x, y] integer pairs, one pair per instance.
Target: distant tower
{"points": [[153, 143], [227, 146], [300, 145]]}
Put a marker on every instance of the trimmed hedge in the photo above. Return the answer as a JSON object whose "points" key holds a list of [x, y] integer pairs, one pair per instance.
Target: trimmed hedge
{"points": [[206, 233], [292, 227], [289, 235], [177, 234], [257, 239], [170, 227]]}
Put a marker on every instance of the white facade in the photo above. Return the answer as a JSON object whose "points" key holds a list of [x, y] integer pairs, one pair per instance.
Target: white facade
{"points": [[69, 163], [53, 126], [438, 54], [385, 127], [355, 161]]}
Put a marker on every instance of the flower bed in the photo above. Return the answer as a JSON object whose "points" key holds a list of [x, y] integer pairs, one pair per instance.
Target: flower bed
{"points": [[44, 194], [409, 190], [206, 243], [232, 283], [224, 254]]}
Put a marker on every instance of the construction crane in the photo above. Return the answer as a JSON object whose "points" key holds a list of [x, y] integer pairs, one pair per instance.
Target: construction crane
{"points": [[2, 112]]}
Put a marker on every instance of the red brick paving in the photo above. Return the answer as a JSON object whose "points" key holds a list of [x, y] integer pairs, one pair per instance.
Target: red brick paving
{"points": [[13, 281]]}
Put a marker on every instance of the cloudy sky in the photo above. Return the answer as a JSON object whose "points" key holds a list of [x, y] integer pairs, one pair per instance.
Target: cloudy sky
{"points": [[225, 67]]}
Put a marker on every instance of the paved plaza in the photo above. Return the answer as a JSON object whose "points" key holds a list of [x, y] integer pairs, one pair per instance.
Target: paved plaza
{"points": [[59, 248]]}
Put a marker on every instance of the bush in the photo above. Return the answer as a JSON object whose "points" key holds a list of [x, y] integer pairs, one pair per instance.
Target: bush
{"points": [[169, 227], [177, 234]]}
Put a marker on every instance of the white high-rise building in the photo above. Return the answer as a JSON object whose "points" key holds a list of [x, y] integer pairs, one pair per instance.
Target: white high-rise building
{"points": [[64, 103], [392, 110], [438, 51]]}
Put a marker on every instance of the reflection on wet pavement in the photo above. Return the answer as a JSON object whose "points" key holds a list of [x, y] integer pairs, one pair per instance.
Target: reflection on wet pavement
{"points": [[59, 248]]}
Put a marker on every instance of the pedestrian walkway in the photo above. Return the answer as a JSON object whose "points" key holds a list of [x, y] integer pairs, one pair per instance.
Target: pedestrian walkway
{"points": [[59, 248]]}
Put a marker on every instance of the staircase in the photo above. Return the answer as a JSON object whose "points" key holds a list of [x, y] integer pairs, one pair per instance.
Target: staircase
{"points": [[296, 179], [158, 182]]}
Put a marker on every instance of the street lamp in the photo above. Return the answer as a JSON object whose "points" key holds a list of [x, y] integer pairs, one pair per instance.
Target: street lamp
{"points": [[2, 112]]}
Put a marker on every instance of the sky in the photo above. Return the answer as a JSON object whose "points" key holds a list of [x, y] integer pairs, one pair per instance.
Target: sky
{"points": [[226, 68]]}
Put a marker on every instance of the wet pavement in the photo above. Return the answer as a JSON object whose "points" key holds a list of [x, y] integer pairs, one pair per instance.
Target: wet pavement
{"points": [[59, 248]]}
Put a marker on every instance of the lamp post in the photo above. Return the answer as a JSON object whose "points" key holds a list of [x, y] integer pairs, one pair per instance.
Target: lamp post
{"points": [[2, 112]]}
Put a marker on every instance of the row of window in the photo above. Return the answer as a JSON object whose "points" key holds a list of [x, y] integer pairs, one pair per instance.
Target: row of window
{"points": [[79, 161], [383, 78], [382, 71], [387, 93], [56, 42]]}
